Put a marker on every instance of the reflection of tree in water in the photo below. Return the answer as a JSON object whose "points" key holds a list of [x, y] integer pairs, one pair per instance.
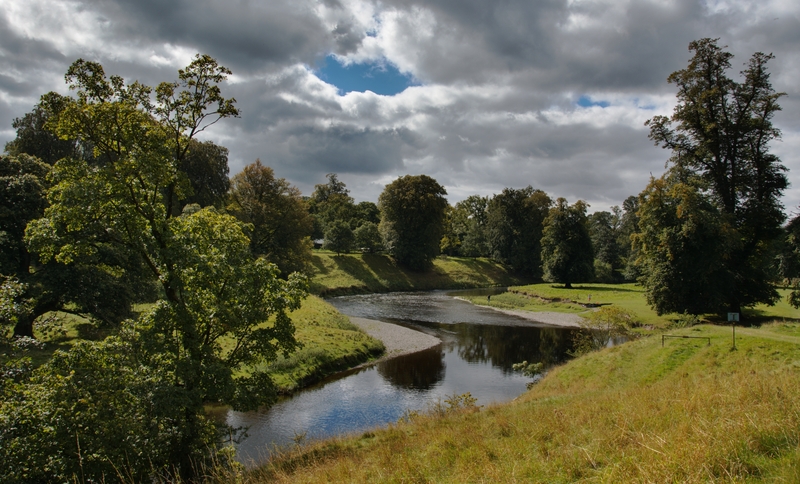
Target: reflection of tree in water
{"points": [[420, 370], [554, 344], [502, 346]]}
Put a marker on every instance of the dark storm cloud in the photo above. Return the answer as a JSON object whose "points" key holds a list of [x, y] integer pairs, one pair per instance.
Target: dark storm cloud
{"points": [[305, 154], [246, 34], [478, 40]]}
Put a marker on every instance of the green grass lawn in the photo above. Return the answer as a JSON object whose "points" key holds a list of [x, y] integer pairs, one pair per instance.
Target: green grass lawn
{"points": [[330, 341], [365, 273], [630, 297], [686, 412]]}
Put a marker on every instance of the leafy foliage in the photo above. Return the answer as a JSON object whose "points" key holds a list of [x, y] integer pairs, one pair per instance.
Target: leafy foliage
{"points": [[604, 232], [789, 260], [681, 245], [92, 414], [515, 220], [567, 253], [330, 202], [279, 216], [206, 167], [221, 311], [339, 237], [368, 237], [412, 218], [721, 134], [34, 138]]}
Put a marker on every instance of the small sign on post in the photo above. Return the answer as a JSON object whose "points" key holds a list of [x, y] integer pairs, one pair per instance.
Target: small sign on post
{"points": [[733, 318]]}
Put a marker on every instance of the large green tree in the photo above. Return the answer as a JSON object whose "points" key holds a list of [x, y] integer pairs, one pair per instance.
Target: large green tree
{"points": [[682, 245], [412, 219], [331, 201], [206, 166], [281, 223], [720, 131], [89, 287], [339, 237], [515, 219], [567, 254], [35, 138], [221, 310], [604, 231]]}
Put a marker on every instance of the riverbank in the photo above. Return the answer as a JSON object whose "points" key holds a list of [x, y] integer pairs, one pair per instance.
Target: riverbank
{"points": [[331, 343], [552, 318], [339, 275], [639, 412], [396, 339]]}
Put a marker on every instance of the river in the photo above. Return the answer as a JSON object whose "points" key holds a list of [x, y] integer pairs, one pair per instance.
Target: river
{"points": [[479, 346]]}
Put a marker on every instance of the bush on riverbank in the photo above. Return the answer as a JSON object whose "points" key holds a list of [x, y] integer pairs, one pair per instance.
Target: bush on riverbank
{"points": [[336, 275], [639, 412]]}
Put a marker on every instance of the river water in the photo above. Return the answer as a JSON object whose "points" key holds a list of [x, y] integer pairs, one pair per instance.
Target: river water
{"points": [[479, 346]]}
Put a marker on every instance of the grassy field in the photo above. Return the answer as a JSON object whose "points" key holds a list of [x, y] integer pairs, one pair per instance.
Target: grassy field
{"points": [[638, 412], [630, 297], [334, 275]]}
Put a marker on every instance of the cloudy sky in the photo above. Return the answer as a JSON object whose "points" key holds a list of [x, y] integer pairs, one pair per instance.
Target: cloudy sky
{"points": [[479, 94]]}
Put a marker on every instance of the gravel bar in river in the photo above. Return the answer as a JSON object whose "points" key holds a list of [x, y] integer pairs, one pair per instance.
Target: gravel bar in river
{"points": [[397, 339]]}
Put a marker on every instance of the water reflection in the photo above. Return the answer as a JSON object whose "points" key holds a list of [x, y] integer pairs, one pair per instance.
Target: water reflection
{"points": [[479, 346], [417, 371]]}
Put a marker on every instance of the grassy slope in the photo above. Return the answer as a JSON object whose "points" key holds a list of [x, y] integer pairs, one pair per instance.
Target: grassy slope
{"points": [[331, 343], [365, 273], [638, 412]]}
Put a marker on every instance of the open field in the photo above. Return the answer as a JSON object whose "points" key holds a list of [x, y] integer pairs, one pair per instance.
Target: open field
{"points": [[639, 412], [630, 297], [334, 275]]}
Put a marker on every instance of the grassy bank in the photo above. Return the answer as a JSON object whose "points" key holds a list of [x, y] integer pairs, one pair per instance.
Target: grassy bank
{"points": [[630, 297], [334, 275], [639, 412], [331, 343]]}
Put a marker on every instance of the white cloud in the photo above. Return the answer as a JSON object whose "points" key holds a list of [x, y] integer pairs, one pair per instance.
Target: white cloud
{"points": [[500, 81]]}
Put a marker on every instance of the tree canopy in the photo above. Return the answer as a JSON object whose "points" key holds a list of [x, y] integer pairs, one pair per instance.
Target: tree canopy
{"points": [[281, 224], [221, 310], [514, 221], [681, 246], [567, 253], [719, 135], [412, 217]]}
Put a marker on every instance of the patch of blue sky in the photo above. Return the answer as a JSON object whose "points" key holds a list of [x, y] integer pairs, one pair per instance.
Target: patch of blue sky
{"points": [[588, 102], [379, 77]]}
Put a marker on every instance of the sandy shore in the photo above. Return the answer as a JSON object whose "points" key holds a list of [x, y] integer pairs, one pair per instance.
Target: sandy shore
{"points": [[397, 339], [552, 318], [569, 320]]}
